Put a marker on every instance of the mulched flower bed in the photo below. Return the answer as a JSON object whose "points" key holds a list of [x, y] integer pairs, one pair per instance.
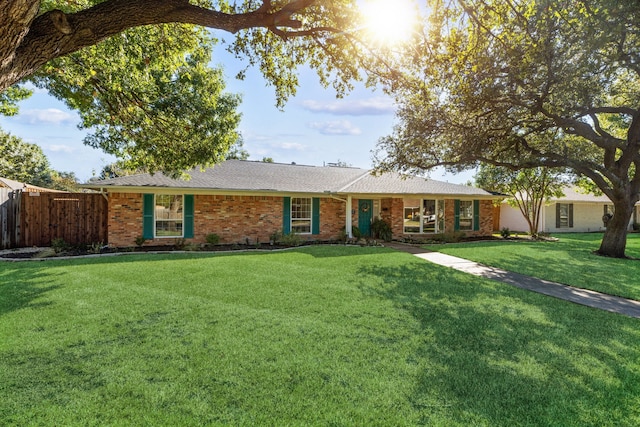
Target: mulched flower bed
{"points": [[40, 253]]}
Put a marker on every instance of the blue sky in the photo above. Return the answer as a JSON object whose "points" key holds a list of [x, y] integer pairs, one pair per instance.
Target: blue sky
{"points": [[314, 128]]}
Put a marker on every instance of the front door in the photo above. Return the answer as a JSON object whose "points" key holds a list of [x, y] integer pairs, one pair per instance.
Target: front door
{"points": [[365, 214]]}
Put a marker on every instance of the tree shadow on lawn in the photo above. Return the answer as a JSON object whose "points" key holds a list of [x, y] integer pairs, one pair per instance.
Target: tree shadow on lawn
{"points": [[22, 284], [491, 354]]}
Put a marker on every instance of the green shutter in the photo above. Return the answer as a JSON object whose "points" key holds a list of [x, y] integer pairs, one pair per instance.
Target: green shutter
{"points": [[315, 216], [571, 215], [286, 215], [188, 216], [476, 215], [557, 215], [147, 216], [456, 215]]}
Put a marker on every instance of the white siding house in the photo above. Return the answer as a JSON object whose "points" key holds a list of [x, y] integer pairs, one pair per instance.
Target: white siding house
{"points": [[576, 212]]}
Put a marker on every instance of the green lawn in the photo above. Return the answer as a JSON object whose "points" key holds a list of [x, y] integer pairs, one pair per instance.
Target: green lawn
{"points": [[570, 260], [340, 336]]}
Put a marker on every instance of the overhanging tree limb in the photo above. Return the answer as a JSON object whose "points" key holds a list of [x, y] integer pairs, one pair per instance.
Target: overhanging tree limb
{"points": [[33, 40]]}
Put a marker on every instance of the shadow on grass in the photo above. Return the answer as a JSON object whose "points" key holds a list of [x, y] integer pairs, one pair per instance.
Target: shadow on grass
{"points": [[22, 284], [496, 355]]}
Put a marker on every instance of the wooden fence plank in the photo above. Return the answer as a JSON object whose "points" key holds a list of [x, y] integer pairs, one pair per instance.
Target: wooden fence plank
{"points": [[9, 218], [78, 218]]}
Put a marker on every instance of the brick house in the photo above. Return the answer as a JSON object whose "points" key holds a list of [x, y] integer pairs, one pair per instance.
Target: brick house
{"points": [[244, 201]]}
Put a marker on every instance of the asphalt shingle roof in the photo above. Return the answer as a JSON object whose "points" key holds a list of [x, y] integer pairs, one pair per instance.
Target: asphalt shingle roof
{"points": [[240, 175]]}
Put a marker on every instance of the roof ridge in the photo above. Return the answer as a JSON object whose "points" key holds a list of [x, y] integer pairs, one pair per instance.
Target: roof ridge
{"points": [[344, 188]]}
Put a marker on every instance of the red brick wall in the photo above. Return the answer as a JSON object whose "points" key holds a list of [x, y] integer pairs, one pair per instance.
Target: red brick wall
{"points": [[234, 218], [238, 218], [125, 219]]}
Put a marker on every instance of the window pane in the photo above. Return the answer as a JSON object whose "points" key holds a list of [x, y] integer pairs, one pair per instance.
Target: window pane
{"points": [[412, 215], [301, 215], [429, 216], [169, 215], [564, 215], [466, 215]]}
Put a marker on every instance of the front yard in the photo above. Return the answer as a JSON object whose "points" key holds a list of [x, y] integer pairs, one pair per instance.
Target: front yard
{"points": [[327, 335], [569, 261]]}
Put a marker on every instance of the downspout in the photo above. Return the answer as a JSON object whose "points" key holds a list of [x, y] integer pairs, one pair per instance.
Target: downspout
{"points": [[348, 222]]}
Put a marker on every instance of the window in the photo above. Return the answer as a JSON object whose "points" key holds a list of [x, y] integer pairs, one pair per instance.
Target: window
{"points": [[301, 208], [564, 215], [412, 216], [169, 209], [466, 215], [423, 216]]}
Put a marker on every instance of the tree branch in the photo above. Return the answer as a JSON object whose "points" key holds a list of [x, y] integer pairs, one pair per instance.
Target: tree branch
{"points": [[36, 40]]}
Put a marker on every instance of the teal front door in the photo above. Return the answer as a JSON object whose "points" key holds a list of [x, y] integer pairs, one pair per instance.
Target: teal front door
{"points": [[365, 214]]}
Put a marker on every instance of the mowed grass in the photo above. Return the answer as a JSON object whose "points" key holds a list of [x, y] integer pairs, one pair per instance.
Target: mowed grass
{"points": [[570, 261], [316, 336]]}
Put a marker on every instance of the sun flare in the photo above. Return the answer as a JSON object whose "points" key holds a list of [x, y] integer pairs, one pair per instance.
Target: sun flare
{"points": [[389, 22]]}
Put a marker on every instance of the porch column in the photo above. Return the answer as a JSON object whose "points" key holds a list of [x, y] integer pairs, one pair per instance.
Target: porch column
{"points": [[348, 224]]}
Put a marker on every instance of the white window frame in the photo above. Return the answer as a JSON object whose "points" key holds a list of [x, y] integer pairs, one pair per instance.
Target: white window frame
{"points": [[297, 215], [168, 219]]}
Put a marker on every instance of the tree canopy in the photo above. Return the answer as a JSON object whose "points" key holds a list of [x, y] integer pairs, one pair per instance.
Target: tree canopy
{"points": [[25, 162], [276, 35], [138, 73], [525, 84]]}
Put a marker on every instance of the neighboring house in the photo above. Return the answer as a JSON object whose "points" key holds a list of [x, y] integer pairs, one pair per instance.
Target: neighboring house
{"points": [[244, 201], [574, 212], [11, 185]]}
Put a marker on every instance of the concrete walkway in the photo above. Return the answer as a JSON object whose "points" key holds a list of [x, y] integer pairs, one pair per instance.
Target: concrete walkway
{"points": [[586, 297]]}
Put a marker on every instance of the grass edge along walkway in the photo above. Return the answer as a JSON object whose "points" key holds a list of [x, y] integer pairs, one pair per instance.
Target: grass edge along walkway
{"points": [[589, 298]]}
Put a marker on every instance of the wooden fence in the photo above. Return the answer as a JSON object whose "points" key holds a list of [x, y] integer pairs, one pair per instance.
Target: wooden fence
{"points": [[9, 218], [77, 218]]}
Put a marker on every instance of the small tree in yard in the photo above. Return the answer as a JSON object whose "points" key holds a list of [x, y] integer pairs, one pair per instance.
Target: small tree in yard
{"points": [[527, 189]]}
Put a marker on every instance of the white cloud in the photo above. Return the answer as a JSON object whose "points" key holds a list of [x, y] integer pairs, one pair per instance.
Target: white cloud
{"points": [[363, 107], [47, 116], [60, 148], [289, 146], [340, 127]]}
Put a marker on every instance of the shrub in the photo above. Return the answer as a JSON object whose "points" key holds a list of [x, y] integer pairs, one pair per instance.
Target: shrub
{"points": [[454, 237], [275, 237], [291, 239], [355, 231], [212, 239], [59, 245], [96, 248], [505, 232], [179, 244], [381, 230], [140, 241]]}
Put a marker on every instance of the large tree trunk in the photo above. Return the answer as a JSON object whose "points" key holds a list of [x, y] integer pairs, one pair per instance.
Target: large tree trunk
{"points": [[614, 241]]}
